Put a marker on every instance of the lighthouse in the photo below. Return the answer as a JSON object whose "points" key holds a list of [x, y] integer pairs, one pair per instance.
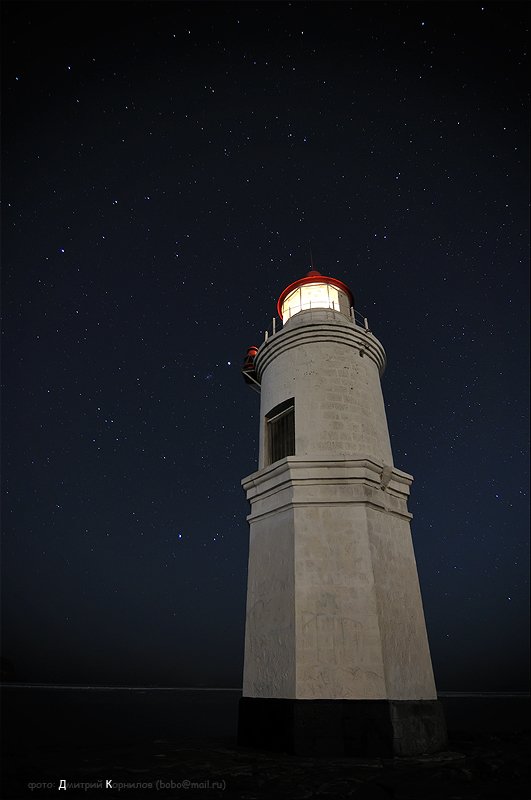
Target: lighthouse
{"points": [[336, 658]]}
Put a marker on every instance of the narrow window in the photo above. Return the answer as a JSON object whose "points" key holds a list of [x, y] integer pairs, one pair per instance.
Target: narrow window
{"points": [[280, 431]]}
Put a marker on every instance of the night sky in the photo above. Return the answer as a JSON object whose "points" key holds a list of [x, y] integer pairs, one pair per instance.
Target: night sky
{"points": [[164, 167]]}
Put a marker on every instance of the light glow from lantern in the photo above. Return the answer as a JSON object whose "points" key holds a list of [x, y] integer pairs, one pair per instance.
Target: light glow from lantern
{"points": [[310, 295]]}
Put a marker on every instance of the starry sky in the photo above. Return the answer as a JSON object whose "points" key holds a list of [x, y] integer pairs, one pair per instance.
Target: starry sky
{"points": [[165, 166]]}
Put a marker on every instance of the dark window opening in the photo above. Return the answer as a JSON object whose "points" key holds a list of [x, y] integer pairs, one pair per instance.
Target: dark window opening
{"points": [[280, 431]]}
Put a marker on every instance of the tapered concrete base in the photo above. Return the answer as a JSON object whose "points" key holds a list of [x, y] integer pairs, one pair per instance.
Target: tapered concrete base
{"points": [[342, 727]]}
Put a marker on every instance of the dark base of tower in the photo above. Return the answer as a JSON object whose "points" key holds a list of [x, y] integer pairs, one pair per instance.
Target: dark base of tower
{"points": [[342, 727]]}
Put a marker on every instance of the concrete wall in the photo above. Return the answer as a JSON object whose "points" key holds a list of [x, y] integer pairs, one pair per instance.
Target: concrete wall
{"points": [[338, 650], [333, 604], [333, 607], [405, 649], [269, 665], [332, 369]]}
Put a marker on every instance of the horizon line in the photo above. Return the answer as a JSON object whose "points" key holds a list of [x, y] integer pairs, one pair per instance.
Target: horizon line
{"points": [[35, 685]]}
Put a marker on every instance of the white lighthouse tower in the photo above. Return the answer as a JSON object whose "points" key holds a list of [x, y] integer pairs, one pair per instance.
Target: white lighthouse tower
{"points": [[336, 652]]}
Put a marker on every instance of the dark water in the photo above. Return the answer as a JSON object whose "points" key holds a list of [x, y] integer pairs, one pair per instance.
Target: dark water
{"points": [[82, 715], [481, 713], [128, 715]]}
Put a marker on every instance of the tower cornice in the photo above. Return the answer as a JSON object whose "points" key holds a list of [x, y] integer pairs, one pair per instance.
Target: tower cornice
{"points": [[336, 330], [299, 482]]}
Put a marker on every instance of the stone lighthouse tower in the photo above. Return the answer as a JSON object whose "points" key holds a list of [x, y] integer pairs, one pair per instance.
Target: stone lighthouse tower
{"points": [[336, 653]]}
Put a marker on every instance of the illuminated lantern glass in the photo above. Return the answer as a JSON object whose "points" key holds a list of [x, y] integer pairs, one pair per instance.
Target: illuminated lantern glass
{"points": [[308, 296]]}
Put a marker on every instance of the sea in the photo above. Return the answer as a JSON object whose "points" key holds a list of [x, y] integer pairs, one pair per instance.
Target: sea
{"points": [[108, 714], [56, 713]]}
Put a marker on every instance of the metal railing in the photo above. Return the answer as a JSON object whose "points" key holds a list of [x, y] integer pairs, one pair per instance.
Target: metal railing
{"points": [[356, 317]]}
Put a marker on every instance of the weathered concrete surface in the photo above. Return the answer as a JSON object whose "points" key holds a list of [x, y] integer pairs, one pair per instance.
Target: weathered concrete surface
{"points": [[270, 627], [405, 649], [332, 368], [334, 611], [333, 606]]}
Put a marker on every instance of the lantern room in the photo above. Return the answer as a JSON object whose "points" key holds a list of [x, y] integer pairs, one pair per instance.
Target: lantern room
{"points": [[315, 291]]}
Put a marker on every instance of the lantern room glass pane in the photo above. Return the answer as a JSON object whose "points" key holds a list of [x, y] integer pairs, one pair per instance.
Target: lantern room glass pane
{"points": [[310, 295]]}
